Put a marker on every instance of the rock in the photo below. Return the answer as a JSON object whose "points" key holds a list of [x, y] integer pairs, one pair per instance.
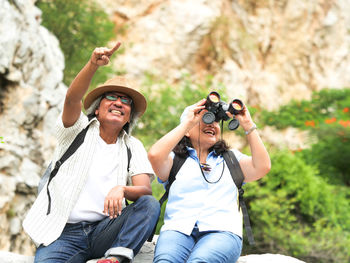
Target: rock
{"points": [[146, 256], [9, 257], [268, 258]]}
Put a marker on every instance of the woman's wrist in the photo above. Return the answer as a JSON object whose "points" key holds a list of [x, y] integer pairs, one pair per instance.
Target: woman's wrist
{"points": [[251, 129]]}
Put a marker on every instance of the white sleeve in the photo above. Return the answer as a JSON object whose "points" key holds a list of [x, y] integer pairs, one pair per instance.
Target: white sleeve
{"points": [[238, 154], [139, 163], [67, 135]]}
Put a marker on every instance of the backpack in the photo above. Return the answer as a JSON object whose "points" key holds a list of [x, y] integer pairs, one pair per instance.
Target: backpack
{"points": [[237, 177], [49, 175]]}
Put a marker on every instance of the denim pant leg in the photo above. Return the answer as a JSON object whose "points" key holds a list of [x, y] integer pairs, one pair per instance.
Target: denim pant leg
{"points": [[131, 229], [173, 247], [71, 246], [216, 247]]}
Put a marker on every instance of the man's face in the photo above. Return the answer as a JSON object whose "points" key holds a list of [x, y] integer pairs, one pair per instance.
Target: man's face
{"points": [[115, 107]]}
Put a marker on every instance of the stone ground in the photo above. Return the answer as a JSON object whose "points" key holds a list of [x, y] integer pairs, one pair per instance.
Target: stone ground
{"points": [[146, 256]]}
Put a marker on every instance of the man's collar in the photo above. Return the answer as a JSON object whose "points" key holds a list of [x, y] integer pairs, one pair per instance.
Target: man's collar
{"points": [[122, 134]]}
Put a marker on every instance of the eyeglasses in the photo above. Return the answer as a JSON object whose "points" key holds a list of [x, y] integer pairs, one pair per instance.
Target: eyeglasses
{"points": [[113, 97]]}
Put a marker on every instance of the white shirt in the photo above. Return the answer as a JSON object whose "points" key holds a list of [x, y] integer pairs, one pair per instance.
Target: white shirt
{"points": [[100, 180], [192, 200], [66, 186]]}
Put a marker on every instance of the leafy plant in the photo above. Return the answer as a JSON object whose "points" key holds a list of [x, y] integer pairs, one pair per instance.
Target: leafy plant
{"points": [[296, 212], [327, 117]]}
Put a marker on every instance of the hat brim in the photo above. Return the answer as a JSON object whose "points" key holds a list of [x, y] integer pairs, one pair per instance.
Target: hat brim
{"points": [[139, 101]]}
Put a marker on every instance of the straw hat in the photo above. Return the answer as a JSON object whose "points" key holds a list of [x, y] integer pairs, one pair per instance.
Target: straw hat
{"points": [[122, 85]]}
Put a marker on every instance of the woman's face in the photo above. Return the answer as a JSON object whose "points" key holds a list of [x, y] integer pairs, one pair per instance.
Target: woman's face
{"points": [[208, 134]]}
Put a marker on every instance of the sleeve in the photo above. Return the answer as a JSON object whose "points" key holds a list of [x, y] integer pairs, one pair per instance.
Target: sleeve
{"points": [[239, 155], [65, 136], [139, 163]]}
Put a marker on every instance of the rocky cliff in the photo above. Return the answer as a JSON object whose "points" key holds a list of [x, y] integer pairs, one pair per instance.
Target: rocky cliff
{"points": [[31, 72], [264, 52]]}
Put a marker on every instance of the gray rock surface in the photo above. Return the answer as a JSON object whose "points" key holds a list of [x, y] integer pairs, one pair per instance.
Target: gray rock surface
{"points": [[146, 256]]}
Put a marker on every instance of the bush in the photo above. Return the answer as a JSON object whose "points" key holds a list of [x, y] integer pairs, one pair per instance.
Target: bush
{"points": [[296, 212], [327, 117]]}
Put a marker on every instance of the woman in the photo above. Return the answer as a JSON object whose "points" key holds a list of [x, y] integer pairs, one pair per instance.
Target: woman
{"points": [[202, 221]]}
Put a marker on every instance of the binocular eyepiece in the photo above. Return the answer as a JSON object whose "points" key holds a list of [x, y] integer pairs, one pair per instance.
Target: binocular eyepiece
{"points": [[216, 110]]}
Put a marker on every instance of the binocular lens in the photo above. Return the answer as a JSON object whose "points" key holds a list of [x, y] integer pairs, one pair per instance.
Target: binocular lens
{"points": [[233, 124], [214, 97], [208, 117], [237, 105]]}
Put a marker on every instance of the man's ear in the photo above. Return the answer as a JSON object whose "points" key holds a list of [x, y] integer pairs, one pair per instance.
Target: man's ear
{"points": [[96, 112]]}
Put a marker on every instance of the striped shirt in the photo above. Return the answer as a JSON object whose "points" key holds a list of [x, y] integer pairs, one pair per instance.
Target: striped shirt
{"points": [[66, 186]]}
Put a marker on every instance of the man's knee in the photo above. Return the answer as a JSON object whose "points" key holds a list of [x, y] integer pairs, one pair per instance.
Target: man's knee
{"points": [[150, 204]]}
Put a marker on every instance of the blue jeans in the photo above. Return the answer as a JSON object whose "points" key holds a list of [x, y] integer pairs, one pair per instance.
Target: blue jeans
{"points": [[209, 246], [87, 240]]}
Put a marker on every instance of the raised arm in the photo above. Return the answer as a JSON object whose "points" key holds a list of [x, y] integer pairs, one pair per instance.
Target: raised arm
{"points": [[159, 153], [76, 91], [259, 164]]}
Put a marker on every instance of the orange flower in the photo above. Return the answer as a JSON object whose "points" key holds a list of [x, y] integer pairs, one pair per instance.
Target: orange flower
{"points": [[346, 109], [345, 123], [307, 109], [310, 123], [329, 121]]}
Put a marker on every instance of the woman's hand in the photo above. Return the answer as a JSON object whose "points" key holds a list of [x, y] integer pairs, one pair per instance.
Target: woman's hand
{"points": [[244, 118], [113, 204], [101, 55], [193, 114]]}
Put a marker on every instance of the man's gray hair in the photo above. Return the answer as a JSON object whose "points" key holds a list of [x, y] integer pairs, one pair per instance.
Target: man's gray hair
{"points": [[90, 112]]}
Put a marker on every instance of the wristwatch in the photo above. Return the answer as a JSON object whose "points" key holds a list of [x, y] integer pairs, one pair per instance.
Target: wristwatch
{"points": [[251, 129]]}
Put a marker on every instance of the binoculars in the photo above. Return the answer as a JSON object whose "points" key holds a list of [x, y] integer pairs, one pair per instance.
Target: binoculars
{"points": [[216, 110]]}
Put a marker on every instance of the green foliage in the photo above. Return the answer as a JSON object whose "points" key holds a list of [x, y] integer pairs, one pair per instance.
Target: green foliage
{"points": [[158, 191], [327, 117], [331, 154], [307, 214], [166, 103], [80, 26], [328, 106], [296, 212]]}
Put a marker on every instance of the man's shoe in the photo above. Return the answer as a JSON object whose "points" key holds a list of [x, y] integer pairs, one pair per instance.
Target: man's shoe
{"points": [[108, 260]]}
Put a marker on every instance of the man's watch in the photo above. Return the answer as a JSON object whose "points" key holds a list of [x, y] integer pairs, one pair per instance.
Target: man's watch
{"points": [[251, 129]]}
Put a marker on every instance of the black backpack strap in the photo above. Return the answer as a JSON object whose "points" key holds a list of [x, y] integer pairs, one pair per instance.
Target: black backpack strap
{"points": [[79, 139], [177, 164], [234, 167], [238, 178], [128, 168], [129, 157]]}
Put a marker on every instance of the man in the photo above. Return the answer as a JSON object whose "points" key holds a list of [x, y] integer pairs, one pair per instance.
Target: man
{"points": [[80, 215]]}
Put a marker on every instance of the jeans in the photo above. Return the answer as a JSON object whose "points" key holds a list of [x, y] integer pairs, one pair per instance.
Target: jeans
{"points": [[87, 240], [209, 246]]}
